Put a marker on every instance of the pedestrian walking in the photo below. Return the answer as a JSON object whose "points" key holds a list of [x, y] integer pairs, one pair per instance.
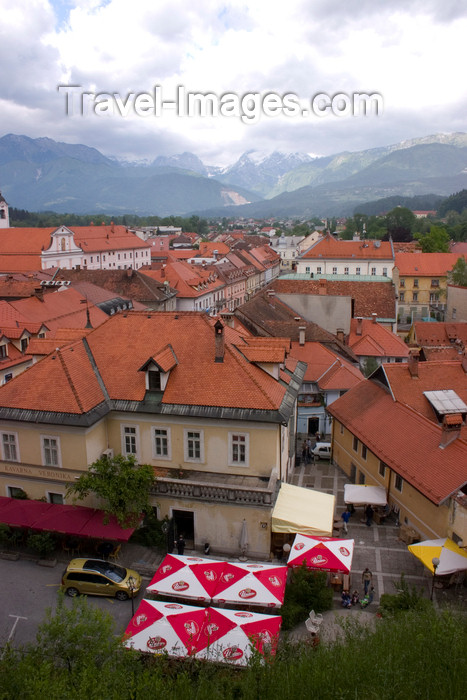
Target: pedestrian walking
{"points": [[346, 517], [180, 544], [369, 515], [367, 578]]}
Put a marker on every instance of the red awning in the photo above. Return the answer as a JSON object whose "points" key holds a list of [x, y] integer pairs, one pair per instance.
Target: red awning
{"points": [[66, 519]]}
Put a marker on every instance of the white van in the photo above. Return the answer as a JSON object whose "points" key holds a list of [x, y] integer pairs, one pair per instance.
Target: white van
{"points": [[322, 450]]}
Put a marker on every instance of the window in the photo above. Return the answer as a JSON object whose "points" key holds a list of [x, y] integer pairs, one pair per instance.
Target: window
{"points": [[50, 451], [55, 498], [415, 296], [373, 270], [91, 258], [357, 271], [194, 449], [382, 469], [353, 473], [7, 377], [355, 443], [361, 478], [318, 270], [162, 443], [398, 481], [454, 311], [238, 449], [342, 428], [334, 270], [24, 344], [307, 270], [154, 380], [129, 440], [415, 284], [10, 447], [402, 296], [385, 271], [435, 283], [3, 352], [402, 282], [364, 451], [346, 270], [16, 492]]}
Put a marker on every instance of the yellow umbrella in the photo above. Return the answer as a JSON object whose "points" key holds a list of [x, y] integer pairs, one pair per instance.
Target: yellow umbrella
{"points": [[451, 557]]}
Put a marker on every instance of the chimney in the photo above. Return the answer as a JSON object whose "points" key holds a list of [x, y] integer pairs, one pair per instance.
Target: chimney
{"points": [[359, 326], [301, 335], [322, 287], [219, 330], [271, 293], [340, 335], [414, 357], [129, 273], [39, 293], [450, 429], [374, 317]]}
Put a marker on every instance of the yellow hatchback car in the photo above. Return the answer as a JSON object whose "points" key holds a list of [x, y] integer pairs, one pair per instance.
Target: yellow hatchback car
{"points": [[99, 577]]}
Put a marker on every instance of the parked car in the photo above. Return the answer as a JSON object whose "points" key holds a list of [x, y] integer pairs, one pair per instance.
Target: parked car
{"points": [[99, 577], [322, 450]]}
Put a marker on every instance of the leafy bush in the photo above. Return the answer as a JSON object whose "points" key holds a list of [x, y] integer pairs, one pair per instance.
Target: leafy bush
{"points": [[152, 534], [307, 590], [41, 542], [405, 599]]}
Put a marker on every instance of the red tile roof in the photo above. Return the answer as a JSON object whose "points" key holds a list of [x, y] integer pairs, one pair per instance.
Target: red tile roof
{"points": [[66, 381], [329, 247], [403, 439], [432, 376], [425, 264], [59, 309], [368, 297], [325, 367], [375, 340]]}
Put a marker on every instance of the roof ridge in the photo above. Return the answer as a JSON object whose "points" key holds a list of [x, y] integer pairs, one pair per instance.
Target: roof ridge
{"points": [[247, 369], [70, 381]]}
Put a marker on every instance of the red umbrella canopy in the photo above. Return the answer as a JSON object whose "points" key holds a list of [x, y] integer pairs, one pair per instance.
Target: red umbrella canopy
{"points": [[325, 553]]}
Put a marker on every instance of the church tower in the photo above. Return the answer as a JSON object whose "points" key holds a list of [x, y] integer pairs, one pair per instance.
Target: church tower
{"points": [[4, 213]]}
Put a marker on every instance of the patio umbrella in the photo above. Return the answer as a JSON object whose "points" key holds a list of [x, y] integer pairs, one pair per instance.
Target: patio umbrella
{"points": [[192, 578], [325, 553], [255, 584], [451, 557]]}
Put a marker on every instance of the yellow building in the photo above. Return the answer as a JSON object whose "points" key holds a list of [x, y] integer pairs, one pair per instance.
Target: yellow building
{"points": [[421, 280], [396, 431], [214, 414]]}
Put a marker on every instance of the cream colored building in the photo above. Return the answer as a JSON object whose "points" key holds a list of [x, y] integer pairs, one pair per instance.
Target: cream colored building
{"points": [[214, 414]]}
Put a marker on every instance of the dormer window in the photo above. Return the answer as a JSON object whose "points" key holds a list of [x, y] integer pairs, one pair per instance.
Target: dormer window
{"points": [[154, 380]]}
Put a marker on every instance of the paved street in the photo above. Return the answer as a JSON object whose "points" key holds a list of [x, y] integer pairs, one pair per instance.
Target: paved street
{"points": [[28, 589]]}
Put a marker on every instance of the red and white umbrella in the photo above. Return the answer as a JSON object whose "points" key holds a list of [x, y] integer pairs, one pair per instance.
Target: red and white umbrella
{"points": [[193, 578], [210, 580], [325, 553], [150, 629], [227, 636], [239, 633], [255, 584]]}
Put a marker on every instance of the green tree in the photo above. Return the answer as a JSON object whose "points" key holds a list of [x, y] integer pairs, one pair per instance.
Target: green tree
{"points": [[458, 274], [121, 484], [436, 241], [399, 224]]}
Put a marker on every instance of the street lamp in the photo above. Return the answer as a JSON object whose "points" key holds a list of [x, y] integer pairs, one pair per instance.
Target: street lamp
{"points": [[132, 587], [435, 562]]}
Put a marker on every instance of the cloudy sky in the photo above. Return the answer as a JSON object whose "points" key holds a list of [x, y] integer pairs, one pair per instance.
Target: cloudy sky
{"points": [[411, 52]]}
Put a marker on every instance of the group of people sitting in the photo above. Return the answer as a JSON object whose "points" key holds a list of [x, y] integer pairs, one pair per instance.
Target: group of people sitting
{"points": [[349, 600]]}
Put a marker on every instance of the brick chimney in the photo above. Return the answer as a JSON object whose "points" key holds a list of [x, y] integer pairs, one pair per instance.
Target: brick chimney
{"points": [[219, 331], [359, 326], [374, 316], [301, 335], [322, 289], [414, 358], [340, 335], [39, 293], [450, 429]]}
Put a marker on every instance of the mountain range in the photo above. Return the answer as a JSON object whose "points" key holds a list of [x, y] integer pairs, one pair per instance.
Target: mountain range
{"points": [[43, 174]]}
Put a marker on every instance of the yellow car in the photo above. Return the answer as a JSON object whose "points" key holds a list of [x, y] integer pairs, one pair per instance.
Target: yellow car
{"points": [[98, 577]]}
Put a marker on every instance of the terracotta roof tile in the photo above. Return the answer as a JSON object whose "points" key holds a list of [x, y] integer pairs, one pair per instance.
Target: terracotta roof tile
{"points": [[375, 340], [406, 441], [329, 247], [425, 264]]}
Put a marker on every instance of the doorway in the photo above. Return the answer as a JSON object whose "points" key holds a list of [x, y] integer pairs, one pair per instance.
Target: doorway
{"points": [[183, 521], [313, 425]]}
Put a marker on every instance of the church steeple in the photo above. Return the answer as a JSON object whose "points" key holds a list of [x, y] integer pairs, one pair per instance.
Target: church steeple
{"points": [[4, 213]]}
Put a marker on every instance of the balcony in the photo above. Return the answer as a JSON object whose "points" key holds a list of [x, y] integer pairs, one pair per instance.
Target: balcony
{"points": [[218, 488]]}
